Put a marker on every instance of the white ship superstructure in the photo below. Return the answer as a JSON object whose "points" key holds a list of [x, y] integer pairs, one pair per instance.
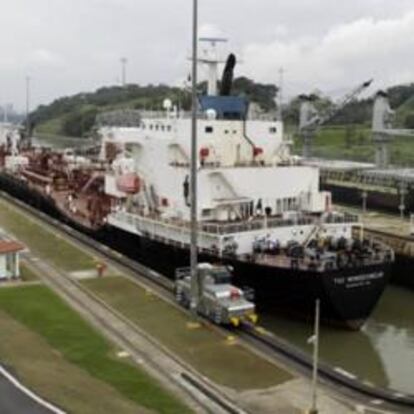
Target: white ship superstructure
{"points": [[251, 189]]}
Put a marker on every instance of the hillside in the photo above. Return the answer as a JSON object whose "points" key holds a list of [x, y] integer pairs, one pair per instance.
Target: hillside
{"points": [[347, 136], [75, 115]]}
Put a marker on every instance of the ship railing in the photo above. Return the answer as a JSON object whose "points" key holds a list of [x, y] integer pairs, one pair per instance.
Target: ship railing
{"points": [[345, 218], [258, 224], [163, 228], [163, 115], [236, 227]]}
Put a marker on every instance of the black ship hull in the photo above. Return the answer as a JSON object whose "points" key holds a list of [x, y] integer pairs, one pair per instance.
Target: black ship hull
{"points": [[347, 295]]}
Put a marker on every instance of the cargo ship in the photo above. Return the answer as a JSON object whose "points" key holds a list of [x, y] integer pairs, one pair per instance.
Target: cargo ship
{"points": [[259, 209]]}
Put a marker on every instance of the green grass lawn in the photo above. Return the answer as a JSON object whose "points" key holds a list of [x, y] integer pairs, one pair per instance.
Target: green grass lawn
{"points": [[43, 312], [44, 370], [332, 143], [42, 241], [52, 127], [206, 350]]}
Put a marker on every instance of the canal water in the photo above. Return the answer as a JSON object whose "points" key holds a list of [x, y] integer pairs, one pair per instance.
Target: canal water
{"points": [[382, 353]]}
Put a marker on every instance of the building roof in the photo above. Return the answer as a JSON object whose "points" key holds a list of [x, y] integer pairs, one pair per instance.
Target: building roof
{"points": [[8, 246]]}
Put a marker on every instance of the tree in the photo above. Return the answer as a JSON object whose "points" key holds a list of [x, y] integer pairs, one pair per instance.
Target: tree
{"points": [[79, 123]]}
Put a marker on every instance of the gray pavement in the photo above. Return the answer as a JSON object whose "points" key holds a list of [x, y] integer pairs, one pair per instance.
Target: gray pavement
{"points": [[15, 401]]}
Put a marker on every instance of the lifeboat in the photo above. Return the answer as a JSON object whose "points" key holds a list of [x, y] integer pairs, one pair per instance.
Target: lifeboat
{"points": [[129, 183]]}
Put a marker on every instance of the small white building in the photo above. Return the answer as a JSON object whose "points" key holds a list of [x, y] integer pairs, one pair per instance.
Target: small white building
{"points": [[9, 259]]}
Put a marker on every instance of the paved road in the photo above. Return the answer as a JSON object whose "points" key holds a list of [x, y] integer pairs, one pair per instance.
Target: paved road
{"points": [[15, 401]]}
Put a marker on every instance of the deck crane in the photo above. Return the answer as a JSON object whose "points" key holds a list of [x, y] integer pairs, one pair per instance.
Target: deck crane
{"points": [[310, 119], [382, 130]]}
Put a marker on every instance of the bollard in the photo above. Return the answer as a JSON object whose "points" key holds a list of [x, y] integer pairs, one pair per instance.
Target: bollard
{"points": [[101, 267]]}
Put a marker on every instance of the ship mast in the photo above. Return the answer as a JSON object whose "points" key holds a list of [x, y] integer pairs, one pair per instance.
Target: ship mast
{"points": [[194, 235], [211, 60]]}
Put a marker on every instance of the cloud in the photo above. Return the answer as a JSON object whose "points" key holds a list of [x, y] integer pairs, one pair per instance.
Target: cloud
{"points": [[346, 55], [44, 57], [211, 31], [73, 46]]}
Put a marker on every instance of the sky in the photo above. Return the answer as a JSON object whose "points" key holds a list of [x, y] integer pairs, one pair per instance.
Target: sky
{"points": [[71, 46]]}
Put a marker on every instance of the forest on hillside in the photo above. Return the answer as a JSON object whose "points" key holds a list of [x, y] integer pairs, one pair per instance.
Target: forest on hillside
{"points": [[75, 115]]}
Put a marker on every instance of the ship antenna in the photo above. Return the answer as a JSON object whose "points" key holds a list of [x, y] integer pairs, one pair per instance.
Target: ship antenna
{"points": [[195, 286], [211, 60]]}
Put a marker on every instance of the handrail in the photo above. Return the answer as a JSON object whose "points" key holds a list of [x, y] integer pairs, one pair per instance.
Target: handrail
{"points": [[229, 228]]}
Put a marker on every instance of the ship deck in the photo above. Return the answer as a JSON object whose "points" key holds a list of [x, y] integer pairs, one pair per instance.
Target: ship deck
{"points": [[283, 261], [309, 264], [79, 214]]}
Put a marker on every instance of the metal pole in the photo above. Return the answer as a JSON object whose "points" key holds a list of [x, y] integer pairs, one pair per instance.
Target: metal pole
{"points": [[402, 201], [281, 86], [314, 409], [194, 238], [124, 62], [364, 202]]}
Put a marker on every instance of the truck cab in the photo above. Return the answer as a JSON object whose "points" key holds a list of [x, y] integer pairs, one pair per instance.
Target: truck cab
{"points": [[219, 301]]}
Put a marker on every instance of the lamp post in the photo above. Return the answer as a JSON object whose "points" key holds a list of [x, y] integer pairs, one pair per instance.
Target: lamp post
{"points": [[193, 182], [28, 81], [124, 62]]}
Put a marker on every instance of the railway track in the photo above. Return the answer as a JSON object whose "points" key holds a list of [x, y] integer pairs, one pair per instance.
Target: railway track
{"points": [[371, 398]]}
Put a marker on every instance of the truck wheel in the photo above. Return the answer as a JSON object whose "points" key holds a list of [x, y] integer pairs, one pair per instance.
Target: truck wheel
{"points": [[185, 302], [179, 297], [217, 317]]}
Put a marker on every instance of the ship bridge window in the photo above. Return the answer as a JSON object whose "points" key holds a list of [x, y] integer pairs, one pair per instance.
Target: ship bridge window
{"points": [[209, 129], [273, 130], [207, 213], [151, 126], [169, 128], [157, 127], [162, 128]]}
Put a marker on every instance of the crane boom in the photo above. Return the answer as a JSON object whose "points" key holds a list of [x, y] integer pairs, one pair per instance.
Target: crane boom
{"points": [[319, 119], [310, 118]]}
